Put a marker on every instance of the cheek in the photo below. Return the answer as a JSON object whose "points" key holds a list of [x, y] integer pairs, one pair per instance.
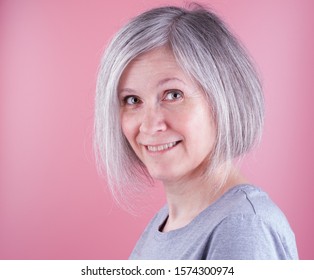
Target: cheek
{"points": [[129, 127], [199, 127], [125, 125]]}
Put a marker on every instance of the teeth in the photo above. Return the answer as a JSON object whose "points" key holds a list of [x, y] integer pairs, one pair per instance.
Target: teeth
{"points": [[161, 147]]}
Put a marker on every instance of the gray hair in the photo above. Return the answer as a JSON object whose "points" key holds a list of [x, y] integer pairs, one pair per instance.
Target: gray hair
{"points": [[212, 56]]}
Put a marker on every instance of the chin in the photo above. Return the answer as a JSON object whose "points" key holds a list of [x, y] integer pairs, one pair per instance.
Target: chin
{"points": [[164, 176]]}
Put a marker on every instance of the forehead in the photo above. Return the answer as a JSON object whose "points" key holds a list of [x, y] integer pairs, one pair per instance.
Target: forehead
{"points": [[162, 56], [152, 67]]}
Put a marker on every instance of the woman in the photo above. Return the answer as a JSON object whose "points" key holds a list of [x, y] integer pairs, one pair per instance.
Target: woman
{"points": [[178, 100]]}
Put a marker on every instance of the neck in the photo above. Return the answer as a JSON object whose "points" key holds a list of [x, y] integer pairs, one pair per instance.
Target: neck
{"points": [[187, 198]]}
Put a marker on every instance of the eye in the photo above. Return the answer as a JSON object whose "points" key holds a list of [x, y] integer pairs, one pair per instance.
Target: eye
{"points": [[131, 100], [173, 95]]}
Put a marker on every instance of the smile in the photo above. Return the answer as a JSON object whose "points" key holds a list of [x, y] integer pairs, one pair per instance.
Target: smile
{"points": [[162, 147]]}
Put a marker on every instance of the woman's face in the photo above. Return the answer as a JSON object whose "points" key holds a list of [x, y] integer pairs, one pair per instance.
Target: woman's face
{"points": [[165, 117]]}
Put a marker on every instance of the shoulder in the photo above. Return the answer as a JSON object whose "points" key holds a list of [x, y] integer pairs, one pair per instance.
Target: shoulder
{"points": [[251, 226], [248, 200]]}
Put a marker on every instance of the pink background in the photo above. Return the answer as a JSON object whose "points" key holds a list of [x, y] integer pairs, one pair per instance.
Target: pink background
{"points": [[53, 205]]}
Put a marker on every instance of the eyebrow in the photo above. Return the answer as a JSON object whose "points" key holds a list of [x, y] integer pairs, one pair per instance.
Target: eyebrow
{"points": [[159, 84], [166, 80], [127, 90]]}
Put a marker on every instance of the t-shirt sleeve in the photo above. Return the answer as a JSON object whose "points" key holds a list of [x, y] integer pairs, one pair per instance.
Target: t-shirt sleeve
{"points": [[251, 237]]}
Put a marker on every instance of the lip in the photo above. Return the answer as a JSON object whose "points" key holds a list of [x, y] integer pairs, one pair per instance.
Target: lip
{"points": [[161, 148]]}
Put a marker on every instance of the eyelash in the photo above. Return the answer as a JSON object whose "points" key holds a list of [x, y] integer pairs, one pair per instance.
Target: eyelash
{"points": [[173, 91], [126, 99]]}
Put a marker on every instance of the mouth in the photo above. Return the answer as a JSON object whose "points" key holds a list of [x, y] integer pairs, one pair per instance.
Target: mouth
{"points": [[163, 147]]}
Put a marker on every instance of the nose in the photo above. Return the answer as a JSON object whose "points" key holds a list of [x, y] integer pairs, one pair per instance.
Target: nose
{"points": [[153, 121]]}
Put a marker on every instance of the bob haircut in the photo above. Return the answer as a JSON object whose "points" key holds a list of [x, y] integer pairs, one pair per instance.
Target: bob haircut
{"points": [[207, 52]]}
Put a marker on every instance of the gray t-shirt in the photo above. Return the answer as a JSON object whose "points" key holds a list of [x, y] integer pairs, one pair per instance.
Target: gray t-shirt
{"points": [[243, 224]]}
